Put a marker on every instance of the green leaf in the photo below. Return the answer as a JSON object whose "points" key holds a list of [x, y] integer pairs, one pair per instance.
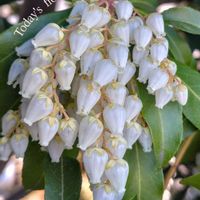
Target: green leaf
{"points": [[192, 181], [178, 46], [62, 180], [8, 43], [191, 79], [188, 128], [145, 6], [165, 125], [32, 173], [145, 180], [183, 18]]}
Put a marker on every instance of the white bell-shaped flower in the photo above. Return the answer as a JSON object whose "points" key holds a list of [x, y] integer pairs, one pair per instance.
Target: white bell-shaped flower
{"points": [[124, 9], [51, 34], [88, 61], [146, 66], [34, 80], [96, 38], [132, 132], [134, 23], [158, 78], [169, 65], [19, 144], [119, 54], [105, 71], [127, 74], [55, 149], [65, 71], [33, 131], [120, 30], [47, 128], [18, 67], [139, 54], [9, 121], [104, 192], [142, 37], [133, 106], [117, 173], [116, 93], [87, 97], [68, 131], [156, 23], [163, 96], [39, 107], [25, 49], [40, 58], [105, 18], [79, 41], [115, 117], [91, 16], [89, 131], [159, 51], [5, 149], [145, 140], [94, 160], [116, 145], [181, 94]]}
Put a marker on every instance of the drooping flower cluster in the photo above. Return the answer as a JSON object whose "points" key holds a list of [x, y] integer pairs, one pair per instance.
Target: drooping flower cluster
{"points": [[92, 61]]}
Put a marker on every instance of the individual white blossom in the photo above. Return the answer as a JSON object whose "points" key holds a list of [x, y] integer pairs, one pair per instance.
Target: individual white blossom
{"points": [[105, 18], [5, 149], [181, 94], [139, 54], [96, 38], [145, 140], [25, 49]]}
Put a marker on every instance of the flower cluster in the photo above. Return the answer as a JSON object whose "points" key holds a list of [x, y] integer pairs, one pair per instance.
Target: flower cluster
{"points": [[92, 60]]}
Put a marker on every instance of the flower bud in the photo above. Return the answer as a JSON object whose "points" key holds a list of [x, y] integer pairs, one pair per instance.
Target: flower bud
{"points": [[65, 71], [47, 129], [134, 23], [127, 74], [34, 80], [120, 30], [116, 93], [5, 149], [18, 67], [133, 106], [124, 9], [9, 121], [145, 140], [169, 65], [68, 132], [116, 145], [104, 72], [88, 61], [142, 37], [89, 131], [119, 54], [156, 23], [19, 144], [40, 58], [117, 173], [115, 116], [105, 18], [132, 132], [33, 131], [181, 94], [163, 96], [139, 55], [91, 16], [39, 107], [55, 149], [79, 41], [96, 38], [88, 95], [158, 78], [51, 34], [25, 49], [94, 160]]}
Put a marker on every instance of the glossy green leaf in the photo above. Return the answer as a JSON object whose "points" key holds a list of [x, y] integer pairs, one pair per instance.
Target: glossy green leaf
{"points": [[192, 181], [32, 173], [165, 124], [62, 180], [145, 180], [188, 128], [183, 18], [192, 79]]}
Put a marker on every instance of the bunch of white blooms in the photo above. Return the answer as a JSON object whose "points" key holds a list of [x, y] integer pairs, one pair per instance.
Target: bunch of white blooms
{"points": [[92, 61]]}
